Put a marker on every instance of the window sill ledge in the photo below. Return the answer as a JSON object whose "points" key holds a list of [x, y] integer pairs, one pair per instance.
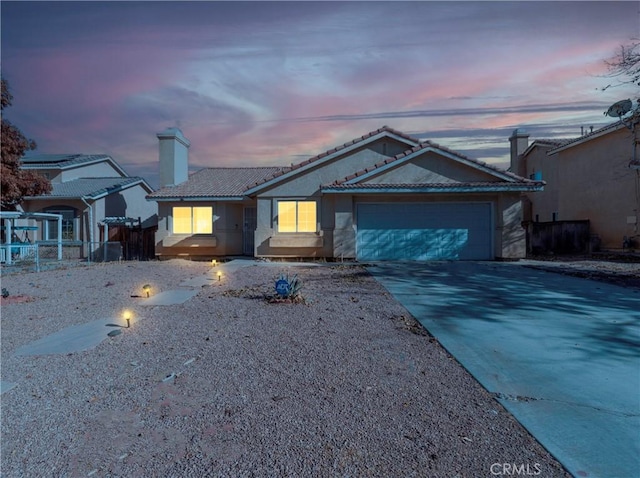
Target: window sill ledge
{"points": [[186, 240], [296, 240]]}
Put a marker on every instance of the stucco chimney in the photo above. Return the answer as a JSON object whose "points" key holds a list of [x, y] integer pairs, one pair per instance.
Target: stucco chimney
{"points": [[174, 157], [519, 142]]}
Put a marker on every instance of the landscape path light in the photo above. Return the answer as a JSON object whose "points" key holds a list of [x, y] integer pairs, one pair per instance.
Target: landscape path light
{"points": [[219, 275], [147, 289], [127, 316], [214, 262]]}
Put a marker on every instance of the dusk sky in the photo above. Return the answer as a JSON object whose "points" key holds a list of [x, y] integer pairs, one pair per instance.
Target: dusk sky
{"points": [[271, 83]]}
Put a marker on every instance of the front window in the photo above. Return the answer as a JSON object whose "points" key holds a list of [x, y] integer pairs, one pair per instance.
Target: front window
{"points": [[68, 225], [193, 220], [296, 216]]}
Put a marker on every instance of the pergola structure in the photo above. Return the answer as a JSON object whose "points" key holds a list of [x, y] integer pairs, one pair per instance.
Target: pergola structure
{"points": [[9, 218]]}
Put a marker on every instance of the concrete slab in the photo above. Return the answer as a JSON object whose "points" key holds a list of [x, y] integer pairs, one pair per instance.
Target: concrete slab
{"points": [[76, 338], [170, 297], [6, 386], [198, 281], [561, 351]]}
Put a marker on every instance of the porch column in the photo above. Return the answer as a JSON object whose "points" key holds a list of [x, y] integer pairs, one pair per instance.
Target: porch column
{"points": [[59, 236], [104, 244], [8, 240]]}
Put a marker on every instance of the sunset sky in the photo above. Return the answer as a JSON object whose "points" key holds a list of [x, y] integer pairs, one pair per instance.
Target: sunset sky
{"points": [[271, 83]]}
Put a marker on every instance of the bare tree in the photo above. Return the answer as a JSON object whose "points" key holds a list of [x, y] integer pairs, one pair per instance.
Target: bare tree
{"points": [[15, 183], [624, 67]]}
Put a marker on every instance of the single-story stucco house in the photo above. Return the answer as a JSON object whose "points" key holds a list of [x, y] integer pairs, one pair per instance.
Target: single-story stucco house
{"points": [[383, 196]]}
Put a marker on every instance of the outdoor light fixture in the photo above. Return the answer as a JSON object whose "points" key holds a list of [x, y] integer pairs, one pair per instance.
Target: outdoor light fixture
{"points": [[147, 289], [214, 262], [127, 316], [219, 275]]}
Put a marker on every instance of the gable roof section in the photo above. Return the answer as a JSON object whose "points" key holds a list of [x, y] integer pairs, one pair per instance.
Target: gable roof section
{"points": [[545, 143], [506, 181], [215, 183], [65, 161], [90, 188], [332, 153]]}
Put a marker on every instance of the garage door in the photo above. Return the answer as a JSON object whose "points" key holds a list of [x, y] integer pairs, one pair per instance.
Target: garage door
{"points": [[424, 232]]}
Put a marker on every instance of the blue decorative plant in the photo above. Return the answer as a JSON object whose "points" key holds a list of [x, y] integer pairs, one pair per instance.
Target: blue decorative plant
{"points": [[288, 287]]}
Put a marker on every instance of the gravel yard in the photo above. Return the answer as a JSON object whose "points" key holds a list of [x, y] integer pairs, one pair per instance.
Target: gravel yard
{"points": [[227, 384]]}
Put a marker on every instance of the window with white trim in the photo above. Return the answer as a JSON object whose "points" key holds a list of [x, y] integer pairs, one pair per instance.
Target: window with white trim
{"points": [[192, 220], [297, 216], [68, 221]]}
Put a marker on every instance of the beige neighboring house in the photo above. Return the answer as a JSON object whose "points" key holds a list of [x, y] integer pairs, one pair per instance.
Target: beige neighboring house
{"points": [[93, 195], [594, 178], [383, 196]]}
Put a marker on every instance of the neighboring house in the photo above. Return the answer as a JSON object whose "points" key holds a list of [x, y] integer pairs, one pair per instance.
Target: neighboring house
{"points": [[91, 193], [594, 178], [385, 195]]}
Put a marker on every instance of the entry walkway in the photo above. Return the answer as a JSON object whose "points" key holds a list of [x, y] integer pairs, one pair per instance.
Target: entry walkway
{"points": [[562, 354]]}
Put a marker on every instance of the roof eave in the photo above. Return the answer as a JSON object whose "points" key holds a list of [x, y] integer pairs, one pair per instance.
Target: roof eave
{"points": [[48, 197], [61, 166], [196, 198], [121, 187], [588, 137], [431, 190]]}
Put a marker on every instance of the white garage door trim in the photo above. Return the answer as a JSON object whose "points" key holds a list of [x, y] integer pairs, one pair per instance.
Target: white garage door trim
{"points": [[425, 231]]}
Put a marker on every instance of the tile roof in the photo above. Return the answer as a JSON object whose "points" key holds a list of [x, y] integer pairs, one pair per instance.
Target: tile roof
{"points": [[31, 160], [431, 145], [217, 182], [337, 149], [593, 134], [231, 182], [551, 142], [88, 187]]}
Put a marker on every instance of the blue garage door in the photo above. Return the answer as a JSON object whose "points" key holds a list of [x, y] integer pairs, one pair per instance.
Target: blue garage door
{"points": [[424, 232]]}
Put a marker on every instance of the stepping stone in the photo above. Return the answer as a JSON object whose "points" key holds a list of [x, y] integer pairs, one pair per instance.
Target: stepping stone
{"points": [[74, 339], [6, 386]]}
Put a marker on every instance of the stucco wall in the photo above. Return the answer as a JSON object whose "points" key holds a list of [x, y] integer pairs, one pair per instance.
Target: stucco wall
{"points": [[510, 237], [98, 170], [132, 202]]}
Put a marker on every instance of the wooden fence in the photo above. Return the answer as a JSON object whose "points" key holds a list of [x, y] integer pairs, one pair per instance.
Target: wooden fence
{"points": [[558, 237]]}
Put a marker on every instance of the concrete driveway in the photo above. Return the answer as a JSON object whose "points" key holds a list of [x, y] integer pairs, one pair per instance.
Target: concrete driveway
{"points": [[561, 353]]}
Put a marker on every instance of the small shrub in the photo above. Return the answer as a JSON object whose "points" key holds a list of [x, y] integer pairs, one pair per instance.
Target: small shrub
{"points": [[287, 289], [5, 292]]}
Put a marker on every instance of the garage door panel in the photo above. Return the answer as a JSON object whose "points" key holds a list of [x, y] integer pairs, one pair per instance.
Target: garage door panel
{"points": [[420, 231]]}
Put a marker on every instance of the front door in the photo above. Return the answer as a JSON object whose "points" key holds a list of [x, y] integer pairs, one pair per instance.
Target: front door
{"points": [[249, 230]]}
